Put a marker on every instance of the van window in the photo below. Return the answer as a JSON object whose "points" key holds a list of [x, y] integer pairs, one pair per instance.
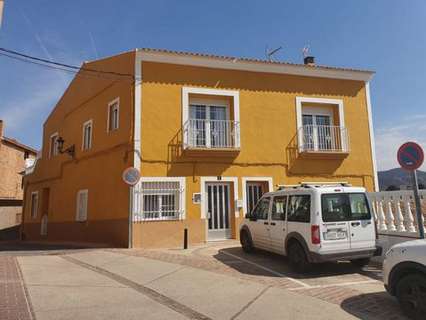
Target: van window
{"points": [[344, 207], [279, 208], [299, 208], [261, 209]]}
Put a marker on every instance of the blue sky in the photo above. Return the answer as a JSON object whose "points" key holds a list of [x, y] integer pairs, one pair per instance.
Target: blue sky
{"points": [[385, 36]]}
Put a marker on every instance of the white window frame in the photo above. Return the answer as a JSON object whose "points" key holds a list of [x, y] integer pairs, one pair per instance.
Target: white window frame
{"points": [[306, 100], [78, 218], [182, 202], [244, 181], [116, 102], [34, 193], [55, 145], [87, 123], [235, 95]]}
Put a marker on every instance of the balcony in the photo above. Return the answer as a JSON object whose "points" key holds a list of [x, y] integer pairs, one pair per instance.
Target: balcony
{"points": [[321, 139], [212, 135]]}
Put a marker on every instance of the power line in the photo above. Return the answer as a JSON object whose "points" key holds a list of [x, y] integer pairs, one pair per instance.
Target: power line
{"points": [[14, 54], [73, 72]]}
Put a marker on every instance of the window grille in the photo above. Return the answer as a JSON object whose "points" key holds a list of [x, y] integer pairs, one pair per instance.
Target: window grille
{"points": [[158, 200]]}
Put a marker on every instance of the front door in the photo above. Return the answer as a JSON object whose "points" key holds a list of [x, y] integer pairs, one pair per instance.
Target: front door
{"points": [[218, 211]]}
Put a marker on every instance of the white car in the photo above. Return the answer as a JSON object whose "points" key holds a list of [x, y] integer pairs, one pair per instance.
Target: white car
{"points": [[313, 222], [404, 276]]}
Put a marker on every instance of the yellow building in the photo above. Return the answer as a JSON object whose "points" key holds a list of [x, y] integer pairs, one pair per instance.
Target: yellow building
{"points": [[209, 135]]}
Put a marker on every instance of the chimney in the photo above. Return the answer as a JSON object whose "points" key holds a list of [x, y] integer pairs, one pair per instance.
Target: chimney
{"points": [[1, 128], [309, 61]]}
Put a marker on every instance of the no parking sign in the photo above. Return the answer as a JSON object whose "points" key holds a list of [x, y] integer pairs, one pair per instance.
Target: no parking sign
{"points": [[411, 157]]}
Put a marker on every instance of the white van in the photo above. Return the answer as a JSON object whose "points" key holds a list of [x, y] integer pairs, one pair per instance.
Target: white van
{"points": [[313, 222]]}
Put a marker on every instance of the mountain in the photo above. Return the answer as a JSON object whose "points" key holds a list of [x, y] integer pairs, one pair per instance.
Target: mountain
{"points": [[397, 177]]}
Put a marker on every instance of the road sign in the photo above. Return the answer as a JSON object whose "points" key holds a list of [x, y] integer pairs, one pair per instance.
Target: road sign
{"points": [[410, 156], [131, 176]]}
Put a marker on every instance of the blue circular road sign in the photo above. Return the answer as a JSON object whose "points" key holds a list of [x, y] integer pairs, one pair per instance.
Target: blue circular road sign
{"points": [[410, 156]]}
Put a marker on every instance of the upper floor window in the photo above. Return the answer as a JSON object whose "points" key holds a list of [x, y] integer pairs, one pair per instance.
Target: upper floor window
{"points": [[113, 114], [87, 135], [211, 118], [34, 204], [321, 126], [53, 145]]}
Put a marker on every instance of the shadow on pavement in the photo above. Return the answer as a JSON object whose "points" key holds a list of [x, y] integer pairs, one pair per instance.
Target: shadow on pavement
{"points": [[36, 248], [280, 265], [377, 305]]}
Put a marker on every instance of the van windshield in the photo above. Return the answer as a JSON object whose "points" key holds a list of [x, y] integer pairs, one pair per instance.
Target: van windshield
{"points": [[344, 207]]}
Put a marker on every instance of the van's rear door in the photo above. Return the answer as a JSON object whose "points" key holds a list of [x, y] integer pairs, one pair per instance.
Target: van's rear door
{"points": [[361, 224], [335, 225]]}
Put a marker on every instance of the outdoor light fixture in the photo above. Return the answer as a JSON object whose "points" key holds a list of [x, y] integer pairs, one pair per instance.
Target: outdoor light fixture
{"points": [[70, 150]]}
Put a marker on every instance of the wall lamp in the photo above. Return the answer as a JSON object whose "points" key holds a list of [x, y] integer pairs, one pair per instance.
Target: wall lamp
{"points": [[70, 150]]}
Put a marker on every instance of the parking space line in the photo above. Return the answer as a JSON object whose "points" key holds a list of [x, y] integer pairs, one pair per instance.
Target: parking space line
{"points": [[279, 274], [343, 284]]}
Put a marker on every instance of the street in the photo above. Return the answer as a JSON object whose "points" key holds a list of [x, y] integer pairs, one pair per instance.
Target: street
{"points": [[213, 281]]}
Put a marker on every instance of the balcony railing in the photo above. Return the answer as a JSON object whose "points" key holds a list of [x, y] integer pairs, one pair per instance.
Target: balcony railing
{"points": [[317, 138], [212, 134]]}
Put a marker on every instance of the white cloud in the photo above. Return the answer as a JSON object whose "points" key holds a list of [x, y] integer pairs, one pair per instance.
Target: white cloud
{"points": [[390, 137]]}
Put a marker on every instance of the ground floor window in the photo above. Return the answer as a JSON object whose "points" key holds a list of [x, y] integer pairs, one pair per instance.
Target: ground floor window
{"points": [[160, 200], [82, 200]]}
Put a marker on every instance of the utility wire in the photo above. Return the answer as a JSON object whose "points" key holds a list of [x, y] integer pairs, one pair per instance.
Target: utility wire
{"points": [[73, 72], [14, 54]]}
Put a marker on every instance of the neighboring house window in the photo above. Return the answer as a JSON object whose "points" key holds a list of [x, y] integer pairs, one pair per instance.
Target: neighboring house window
{"points": [[82, 200], [34, 204], [26, 155], [161, 200], [113, 115], [87, 135], [53, 148]]}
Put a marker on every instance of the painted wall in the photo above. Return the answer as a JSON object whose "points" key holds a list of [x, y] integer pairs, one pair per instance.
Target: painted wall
{"points": [[98, 169], [268, 133]]}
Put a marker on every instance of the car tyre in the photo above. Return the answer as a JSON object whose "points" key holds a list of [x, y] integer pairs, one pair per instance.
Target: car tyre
{"points": [[297, 257], [411, 295], [360, 262], [246, 242]]}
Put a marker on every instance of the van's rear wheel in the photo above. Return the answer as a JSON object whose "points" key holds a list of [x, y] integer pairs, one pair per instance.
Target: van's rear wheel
{"points": [[360, 262], [246, 242], [297, 256]]}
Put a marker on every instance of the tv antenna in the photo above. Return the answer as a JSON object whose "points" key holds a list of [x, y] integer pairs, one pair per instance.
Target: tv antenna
{"points": [[269, 53], [305, 51]]}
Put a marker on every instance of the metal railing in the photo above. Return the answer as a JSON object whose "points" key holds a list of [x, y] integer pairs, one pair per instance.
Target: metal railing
{"points": [[318, 138], [394, 212], [211, 134], [157, 200]]}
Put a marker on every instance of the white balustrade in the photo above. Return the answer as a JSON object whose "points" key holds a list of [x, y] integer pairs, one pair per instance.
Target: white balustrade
{"points": [[394, 212]]}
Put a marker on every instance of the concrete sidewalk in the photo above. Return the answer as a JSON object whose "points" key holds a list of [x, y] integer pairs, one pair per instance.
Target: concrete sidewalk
{"points": [[108, 285]]}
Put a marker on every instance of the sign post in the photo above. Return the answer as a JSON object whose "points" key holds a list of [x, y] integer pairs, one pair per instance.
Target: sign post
{"points": [[131, 177], [411, 157]]}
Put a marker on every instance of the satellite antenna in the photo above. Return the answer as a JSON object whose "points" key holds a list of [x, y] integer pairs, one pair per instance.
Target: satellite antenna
{"points": [[270, 53]]}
